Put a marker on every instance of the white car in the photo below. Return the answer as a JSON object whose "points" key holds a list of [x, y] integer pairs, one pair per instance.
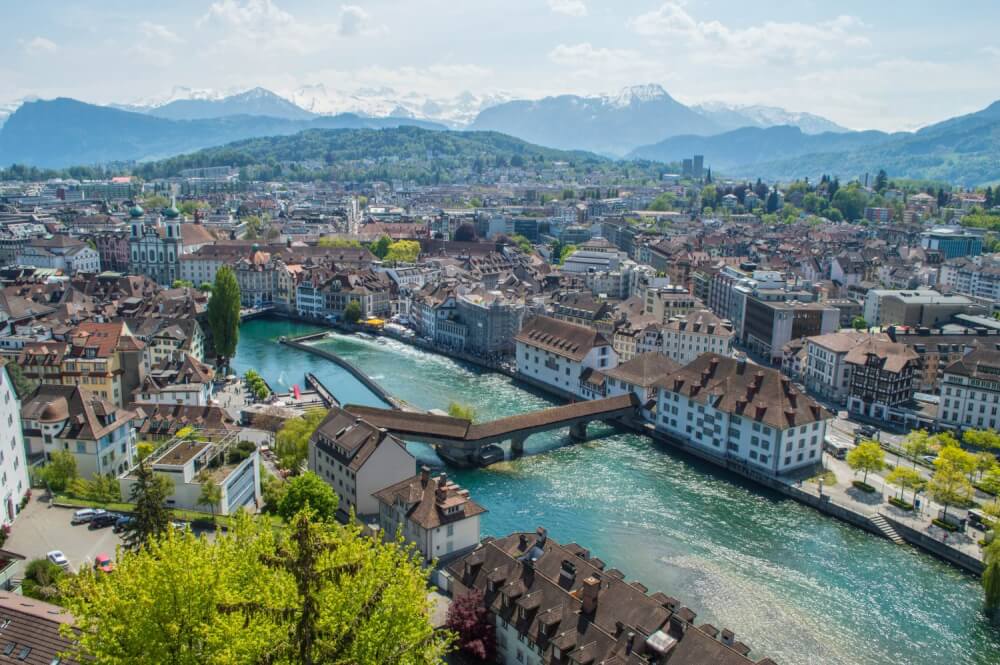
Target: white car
{"points": [[85, 515], [58, 558]]}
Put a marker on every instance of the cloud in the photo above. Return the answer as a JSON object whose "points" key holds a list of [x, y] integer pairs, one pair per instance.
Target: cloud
{"points": [[568, 7], [38, 46], [992, 51], [158, 32], [356, 21], [617, 66], [770, 43]]}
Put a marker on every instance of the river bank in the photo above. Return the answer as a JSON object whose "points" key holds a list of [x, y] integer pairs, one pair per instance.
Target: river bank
{"points": [[797, 586]]}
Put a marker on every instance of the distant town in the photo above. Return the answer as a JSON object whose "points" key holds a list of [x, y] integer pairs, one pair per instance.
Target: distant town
{"points": [[834, 344]]}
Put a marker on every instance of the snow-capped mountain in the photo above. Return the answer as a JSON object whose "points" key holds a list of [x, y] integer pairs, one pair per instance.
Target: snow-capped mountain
{"points": [[734, 116], [455, 111]]}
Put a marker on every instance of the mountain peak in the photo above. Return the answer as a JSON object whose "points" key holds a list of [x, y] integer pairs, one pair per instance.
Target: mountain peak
{"points": [[637, 94]]}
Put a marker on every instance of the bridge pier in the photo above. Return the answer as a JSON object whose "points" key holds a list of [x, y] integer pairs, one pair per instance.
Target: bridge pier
{"points": [[578, 431], [517, 446]]}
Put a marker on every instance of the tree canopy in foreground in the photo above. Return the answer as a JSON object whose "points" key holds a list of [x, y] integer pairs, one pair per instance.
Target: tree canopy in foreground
{"points": [[314, 593]]}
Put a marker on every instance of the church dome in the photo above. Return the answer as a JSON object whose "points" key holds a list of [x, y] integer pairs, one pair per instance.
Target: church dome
{"points": [[172, 212], [136, 211]]}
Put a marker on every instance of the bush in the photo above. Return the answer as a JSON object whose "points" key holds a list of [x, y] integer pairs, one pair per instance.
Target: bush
{"points": [[947, 526], [899, 503], [864, 487], [104, 489], [41, 580]]}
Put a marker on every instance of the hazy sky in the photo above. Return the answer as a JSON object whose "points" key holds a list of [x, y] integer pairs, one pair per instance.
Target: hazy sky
{"points": [[887, 64]]}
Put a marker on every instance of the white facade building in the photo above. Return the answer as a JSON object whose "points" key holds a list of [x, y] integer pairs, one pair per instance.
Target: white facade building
{"points": [[826, 373], [741, 412], [433, 513], [970, 391], [14, 482], [686, 338], [357, 460], [557, 354]]}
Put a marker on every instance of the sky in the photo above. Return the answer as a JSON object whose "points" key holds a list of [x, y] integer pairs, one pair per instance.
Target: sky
{"points": [[889, 65]]}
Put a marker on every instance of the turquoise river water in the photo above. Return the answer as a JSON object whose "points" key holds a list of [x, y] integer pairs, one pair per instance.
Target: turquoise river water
{"points": [[793, 584]]}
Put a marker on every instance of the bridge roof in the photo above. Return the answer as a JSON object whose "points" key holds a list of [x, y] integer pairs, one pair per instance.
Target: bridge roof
{"points": [[425, 424]]}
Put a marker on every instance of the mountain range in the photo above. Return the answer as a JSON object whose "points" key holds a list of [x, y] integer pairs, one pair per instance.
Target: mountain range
{"points": [[639, 122], [65, 132]]}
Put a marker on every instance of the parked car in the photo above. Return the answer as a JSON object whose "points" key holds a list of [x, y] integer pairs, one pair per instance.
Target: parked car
{"points": [[85, 515], [103, 563], [928, 458], [181, 527], [58, 558], [103, 520], [122, 523]]}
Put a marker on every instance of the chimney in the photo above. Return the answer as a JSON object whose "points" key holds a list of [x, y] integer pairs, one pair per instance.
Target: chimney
{"points": [[425, 475], [792, 397], [761, 409], [706, 374], [713, 364], [790, 415], [741, 363], [591, 589], [728, 637]]}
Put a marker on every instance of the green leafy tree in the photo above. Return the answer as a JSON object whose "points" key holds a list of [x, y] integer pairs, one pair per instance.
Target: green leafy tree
{"points": [[150, 518], [101, 489], [950, 487], [338, 243], [463, 411], [905, 478], [956, 458], [403, 251], [308, 492], [850, 201], [60, 470], [352, 312], [859, 323], [224, 314], [144, 449], [381, 247], [211, 492], [291, 443], [182, 283], [981, 438], [917, 444], [881, 181], [985, 461], [991, 576], [565, 252], [41, 580], [867, 456]]}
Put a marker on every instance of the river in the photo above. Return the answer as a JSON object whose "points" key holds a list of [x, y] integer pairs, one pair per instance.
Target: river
{"points": [[793, 584]]}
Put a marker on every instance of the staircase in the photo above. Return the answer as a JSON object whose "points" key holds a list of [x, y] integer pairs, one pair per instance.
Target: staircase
{"points": [[886, 529]]}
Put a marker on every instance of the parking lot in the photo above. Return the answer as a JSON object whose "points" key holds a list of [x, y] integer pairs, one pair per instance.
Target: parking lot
{"points": [[41, 528]]}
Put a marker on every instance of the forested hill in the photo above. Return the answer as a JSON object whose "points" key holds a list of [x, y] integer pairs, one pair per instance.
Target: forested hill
{"points": [[361, 154]]}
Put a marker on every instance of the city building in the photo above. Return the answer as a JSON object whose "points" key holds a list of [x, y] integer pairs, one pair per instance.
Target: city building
{"points": [[33, 631], [937, 349], [970, 391], [94, 430], [740, 412], [433, 513], [357, 460], [666, 302], [685, 338], [553, 603], [769, 325], [954, 241], [104, 358], [922, 308], [881, 381], [639, 375], [14, 482], [190, 464], [177, 380], [827, 374], [70, 255], [492, 320], [157, 243], [557, 354], [978, 276]]}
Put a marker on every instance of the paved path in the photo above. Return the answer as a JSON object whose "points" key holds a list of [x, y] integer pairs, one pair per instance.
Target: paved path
{"points": [[845, 494]]}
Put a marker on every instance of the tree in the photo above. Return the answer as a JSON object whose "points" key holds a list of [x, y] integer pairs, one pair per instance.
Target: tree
{"points": [[905, 478], [465, 233], [23, 386], [984, 439], [985, 461], [565, 253], [991, 576], [308, 492], [224, 314], [949, 487], [41, 580], [291, 443], [463, 411], [771, 205], [867, 456], [150, 518], [850, 201], [254, 224], [182, 284], [144, 449], [523, 243], [352, 312], [469, 619], [956, 458], [859, 323], [60, 470], [403, 251], [881, 181], [381, 246], [211, 493], [917, 444]]}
